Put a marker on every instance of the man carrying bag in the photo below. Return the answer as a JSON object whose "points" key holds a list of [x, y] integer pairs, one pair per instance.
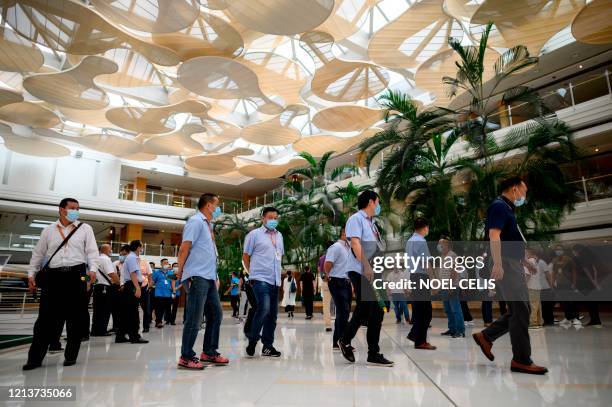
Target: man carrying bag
{"points": [[70, 247]]}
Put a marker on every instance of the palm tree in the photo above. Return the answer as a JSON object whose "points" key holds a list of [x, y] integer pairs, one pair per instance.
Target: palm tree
{"points": [[315, 171], [475, 118], [407, 129]]}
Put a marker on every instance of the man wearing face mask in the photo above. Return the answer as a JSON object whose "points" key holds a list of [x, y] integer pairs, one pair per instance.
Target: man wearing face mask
{"points": [[507, 245], [365, 243], [131, 291], [63, 279], [116, 290], [197, 259], [177, 290], [263, 252]]}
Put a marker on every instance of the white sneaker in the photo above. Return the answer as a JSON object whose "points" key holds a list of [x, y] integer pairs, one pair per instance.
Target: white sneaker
{"points": [[564, 321], [576, 322], [535, 327]]}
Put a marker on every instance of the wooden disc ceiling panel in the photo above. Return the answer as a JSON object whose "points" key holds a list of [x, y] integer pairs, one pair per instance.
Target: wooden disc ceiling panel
{"points": [[29, 114], [8, 96], [152, 119], [527, 22], [270, 171], [208, 35], [73, 88], [31, 145], [273, 132], [224, 78], [338, 80], [347, 118], [216, 163], [346, 18], [72, 27], [18, 54], [593, 25], [416, 35], [179, 142], [280, 17], [319, 144], [152, 16]]}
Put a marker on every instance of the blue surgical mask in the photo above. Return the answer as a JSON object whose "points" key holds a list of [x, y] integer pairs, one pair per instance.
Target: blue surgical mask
{"points": [[377, 210], [519, 202], [121, 258], [217, 212], [271, 224], [559, 252], [72, 215]]}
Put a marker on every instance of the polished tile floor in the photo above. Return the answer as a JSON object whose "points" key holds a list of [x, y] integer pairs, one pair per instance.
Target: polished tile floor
{"points": [[310, 374]]}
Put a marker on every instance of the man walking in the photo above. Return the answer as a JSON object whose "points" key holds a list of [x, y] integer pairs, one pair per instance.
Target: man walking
{"points": [[102, 292], [365, 243], [263, 252], [63, 255], [508, 253], [197, 260]]}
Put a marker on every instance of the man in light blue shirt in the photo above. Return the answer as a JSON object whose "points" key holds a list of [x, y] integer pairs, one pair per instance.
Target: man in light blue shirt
{"points": [[364, 241], [336, 259], [418, 259], [263, 252], [197, 261], [131, 277]]}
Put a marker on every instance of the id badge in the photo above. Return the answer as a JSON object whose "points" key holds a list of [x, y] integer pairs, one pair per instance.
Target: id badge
{"points": [[166, 282], [278, 255]]}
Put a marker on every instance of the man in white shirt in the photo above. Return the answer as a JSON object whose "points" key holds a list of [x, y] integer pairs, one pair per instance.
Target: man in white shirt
{"points": [[63, 284], [116, 301], [102, 294]]}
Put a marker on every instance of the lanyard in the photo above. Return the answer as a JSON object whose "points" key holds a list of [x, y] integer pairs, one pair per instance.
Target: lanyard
{"points": [[272, 236], [517, 225], [61, 232], [373, 227], [212, 235]]}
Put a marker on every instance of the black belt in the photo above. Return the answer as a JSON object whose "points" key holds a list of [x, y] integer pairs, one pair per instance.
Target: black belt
{"points": [[340, 279], [64, 269]]}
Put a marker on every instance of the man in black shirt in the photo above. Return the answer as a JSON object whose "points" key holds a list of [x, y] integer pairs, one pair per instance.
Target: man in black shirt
{"points": [[508, 253]]}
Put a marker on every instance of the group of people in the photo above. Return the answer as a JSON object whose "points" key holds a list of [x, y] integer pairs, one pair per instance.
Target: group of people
{"points": [[68, 259]]}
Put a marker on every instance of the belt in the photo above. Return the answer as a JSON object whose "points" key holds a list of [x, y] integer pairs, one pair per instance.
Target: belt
{"points": [[340, 279], [64, 269]]}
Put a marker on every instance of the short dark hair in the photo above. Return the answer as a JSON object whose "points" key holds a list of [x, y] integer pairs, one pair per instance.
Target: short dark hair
{"points": [[509, 183], [268, 209], [64, 202], [365, 197], [174, 264], [125, 248], [162, 260], [328, 244], [206, 198], [420, 223], [134, 245], [234, 273]]}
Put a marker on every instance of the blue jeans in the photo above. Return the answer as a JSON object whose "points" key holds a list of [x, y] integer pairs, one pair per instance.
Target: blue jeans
{"points": [[452, 307], [201, 294], [265, 314], [400, 306]]}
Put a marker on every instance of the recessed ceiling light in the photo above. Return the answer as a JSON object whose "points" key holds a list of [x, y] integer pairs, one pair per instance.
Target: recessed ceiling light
{"points": [[579, 66], [597, 150]]}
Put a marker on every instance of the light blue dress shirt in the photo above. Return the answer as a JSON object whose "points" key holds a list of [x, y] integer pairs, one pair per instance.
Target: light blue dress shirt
{"points": [[131, 265], [202, 258], [361, 226], [265, 264], [338, 254], [416, 247]]}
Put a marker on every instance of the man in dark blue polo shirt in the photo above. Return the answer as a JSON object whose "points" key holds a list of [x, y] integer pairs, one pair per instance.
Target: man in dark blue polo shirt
{"points": [[508, 253]]}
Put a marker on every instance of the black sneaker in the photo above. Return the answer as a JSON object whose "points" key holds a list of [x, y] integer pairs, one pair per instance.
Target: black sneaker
{"points": [[447, 333], [347, 351], [328, 329], [379, 360], [30, 366], [250, 350], [69, 362], [410, 337], [458, 335], [269, 351], [336, 347]]}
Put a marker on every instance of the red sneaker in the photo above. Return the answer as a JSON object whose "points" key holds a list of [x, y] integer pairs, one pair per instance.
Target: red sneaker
{"points": [[216, 360], [191, 364]]}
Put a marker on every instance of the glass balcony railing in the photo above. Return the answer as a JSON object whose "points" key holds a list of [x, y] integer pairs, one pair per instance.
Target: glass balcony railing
{"points": [[157, 197], [593, 188]]}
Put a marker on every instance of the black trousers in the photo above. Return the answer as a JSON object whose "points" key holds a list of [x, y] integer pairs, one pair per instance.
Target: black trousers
{"points": [[465, 310], [61, 301], [145, 304], [163, 309], [421, 309], [308, 304], [101, 309], [341, 291], [235, 300], [115, 300], [548, 304], [367, 311], [515, 321], [593, 308], [130, 320]]}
